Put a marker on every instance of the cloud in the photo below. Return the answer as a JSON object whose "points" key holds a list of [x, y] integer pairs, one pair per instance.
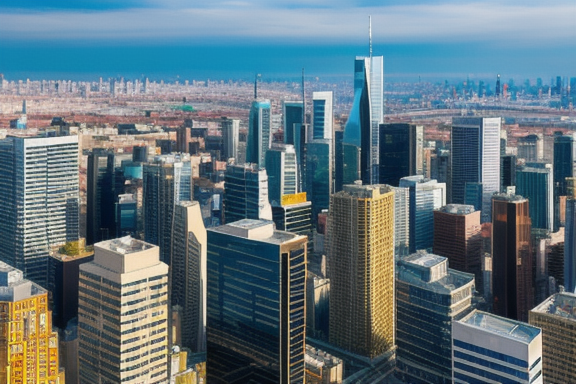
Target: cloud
{"points": [[301, 21]]}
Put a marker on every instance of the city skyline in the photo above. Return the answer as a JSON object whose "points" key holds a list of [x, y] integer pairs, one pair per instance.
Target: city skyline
{"points": [[235, 39]]}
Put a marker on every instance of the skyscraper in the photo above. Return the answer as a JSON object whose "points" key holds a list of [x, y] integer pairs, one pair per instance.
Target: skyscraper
{"points": [[167, 181], [246, 193], [292, 111], [256, 304], [282, 170], [534, 182], [100, 218], [424, 327], [425, 196], [230, 138], [475, 158], [188, 274], [259, 132], [294, 214], [511, 257], [361, 134], [322, 119], [40, 200], [489, 348], [123, 314], [401, 147], [28, 346], [570, 238], [319, 183], [360, 253], [564, 157], [457, 236]]}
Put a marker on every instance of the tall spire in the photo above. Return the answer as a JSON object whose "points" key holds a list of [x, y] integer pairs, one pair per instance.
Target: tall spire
{"points": [[370, 34]]}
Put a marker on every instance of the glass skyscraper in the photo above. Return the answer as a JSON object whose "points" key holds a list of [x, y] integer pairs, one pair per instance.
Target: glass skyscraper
{"points": [[39, 189], [475, 158], [282, 170], [259, 132], [361, 134], [322, 120], [256, 304], [401, 147], [534, 182], [246, 193]]}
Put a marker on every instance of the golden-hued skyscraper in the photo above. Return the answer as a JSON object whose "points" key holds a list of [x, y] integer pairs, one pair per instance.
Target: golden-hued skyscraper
{"points": [[361, 269], [28, 347]]}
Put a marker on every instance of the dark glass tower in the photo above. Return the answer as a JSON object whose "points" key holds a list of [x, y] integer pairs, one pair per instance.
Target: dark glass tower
{"points": [[259, 134], [400, 152]]}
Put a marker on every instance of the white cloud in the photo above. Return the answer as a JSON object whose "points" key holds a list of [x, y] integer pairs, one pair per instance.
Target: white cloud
{"points": [[314, 22]]}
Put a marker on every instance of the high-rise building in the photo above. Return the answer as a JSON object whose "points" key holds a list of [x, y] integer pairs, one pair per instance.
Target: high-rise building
{"points": [[401, 222], [39, 188], [360, 253], [123, 314], [322, 119], [319, 183], [534, 182], [425, 196], [230, 138], [28, 346], [569, 277], [294, 214], [492, 349], [424, 327], [292, 111], [564, 165], [259, 133], [531, 147], [188, 274], [507, 172], [457, 236], [246, 193], [167, 181], [256, 304], [475, 158], [557, 319], [282, 170], [361, 141], [126, 215], [401, 148], [512, 283]]}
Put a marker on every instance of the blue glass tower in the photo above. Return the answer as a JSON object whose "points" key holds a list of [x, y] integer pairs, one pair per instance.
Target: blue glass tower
{"points": [[259, 133], [361, 134], [534, 182]]}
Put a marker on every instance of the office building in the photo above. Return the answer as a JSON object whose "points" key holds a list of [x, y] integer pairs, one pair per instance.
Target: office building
{"points": [[322, 119], [319, 170], [126, 215], [424, 327], [317, 306], [322, 367], [531, 147], [457, 236], [401, 222], [512, 283], [246, 193], [188, 274], [40, 200], [167, 181], [490, 349], [564, 157], [230, 138], [256, 304], [475, 158], [123, 314], [282, 170], [28, 346], [507, 171], [569, 256], [294, 214], [534, 181], [556, 316], [425, 196], [259, 133], [401, 149], [292, 112], [361, 141], [360, 253]]}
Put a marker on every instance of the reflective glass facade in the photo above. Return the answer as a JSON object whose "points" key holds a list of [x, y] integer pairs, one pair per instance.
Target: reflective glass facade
{"points": [[282, 170], [322, 115], [246, 193], [319, 155], [534, 182], [401, 148], [259, 133]]}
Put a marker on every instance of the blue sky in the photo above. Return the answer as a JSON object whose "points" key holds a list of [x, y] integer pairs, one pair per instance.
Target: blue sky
{"points": [[224, 39]]}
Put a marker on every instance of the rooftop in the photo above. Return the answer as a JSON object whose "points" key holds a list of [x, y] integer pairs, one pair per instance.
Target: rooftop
{"points": [[511, 329], [125, 245], [508, 197], [457, 209], [13, 285], [366, 191], [559, 304], [262, 230]]}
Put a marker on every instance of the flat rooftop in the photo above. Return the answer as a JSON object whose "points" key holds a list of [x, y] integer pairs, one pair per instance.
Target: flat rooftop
{"points": [[262, 230], [560, 304], [511, 329], [457, 209], [125, 245], [425, 259]]}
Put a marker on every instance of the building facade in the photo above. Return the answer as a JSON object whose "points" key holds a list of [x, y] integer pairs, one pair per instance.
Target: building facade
{"points": [[322, 119], [256, 304], [230, 138], [259, 132], [246, 193], [123, 314], [282, 170], [534, 181], [401, 149]]}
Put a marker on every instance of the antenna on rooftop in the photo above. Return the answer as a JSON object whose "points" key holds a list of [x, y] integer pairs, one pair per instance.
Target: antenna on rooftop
{"points": [[370, 34]]}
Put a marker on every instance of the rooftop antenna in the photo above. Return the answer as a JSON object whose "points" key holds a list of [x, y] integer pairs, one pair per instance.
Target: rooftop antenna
{"points": [[370, 33]]}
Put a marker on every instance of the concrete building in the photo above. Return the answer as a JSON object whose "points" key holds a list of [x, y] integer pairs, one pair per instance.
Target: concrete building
{"points": [[123, 314], [167, 181], [475, 158], [490, 349], [39, 188], [28, 346], [425, 196], [531, 147], [429, 297], [401, 149], [188, 274], [246, 193], [256, 304], [360, 253], [322, 367], [457, 236], [512, 283], [557, 318]]}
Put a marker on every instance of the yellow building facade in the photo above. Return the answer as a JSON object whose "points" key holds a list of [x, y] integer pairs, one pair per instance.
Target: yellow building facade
{"points": [[28, 347]]}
